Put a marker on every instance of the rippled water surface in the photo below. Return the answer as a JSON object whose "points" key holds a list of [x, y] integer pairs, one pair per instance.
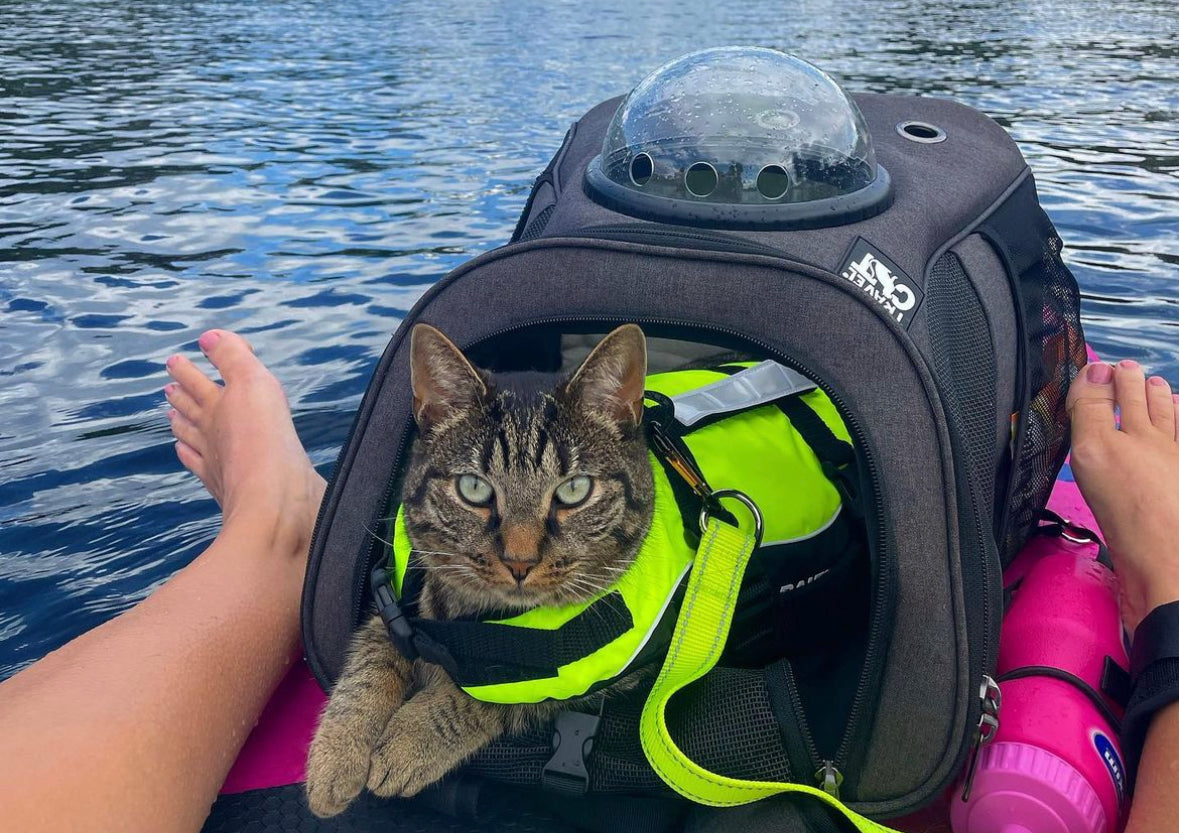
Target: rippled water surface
{"points": [[302, 172]]}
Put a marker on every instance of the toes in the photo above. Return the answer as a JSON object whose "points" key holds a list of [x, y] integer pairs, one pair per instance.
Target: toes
{"points": [[191, 459], [195, 383], [337, 767], [400, 766], [182, 401], [1130, 389], [1091, 404], [230, 353], [186, 431], [1159, 405], [387, 773]]}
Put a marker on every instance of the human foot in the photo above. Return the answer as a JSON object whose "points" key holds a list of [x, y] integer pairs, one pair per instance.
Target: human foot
{"points": [[1130, 477], [238, 438]]}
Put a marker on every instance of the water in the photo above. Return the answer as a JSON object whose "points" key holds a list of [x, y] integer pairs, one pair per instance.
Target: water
{"points": [[302, 171]]}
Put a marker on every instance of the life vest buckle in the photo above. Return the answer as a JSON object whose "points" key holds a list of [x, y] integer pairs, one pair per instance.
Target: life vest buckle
{"points": [[401, 633], [573, 739], [411, 643]]}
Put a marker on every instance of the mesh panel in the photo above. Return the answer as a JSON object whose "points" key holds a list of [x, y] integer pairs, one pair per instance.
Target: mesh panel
{"points": [[536, 226], [964, 359], [517, 759], [725, 722], [1055, 348], [618, 763]]}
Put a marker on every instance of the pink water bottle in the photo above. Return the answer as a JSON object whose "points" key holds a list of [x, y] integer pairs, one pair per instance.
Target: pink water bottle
{"points": [[1054, 765]]}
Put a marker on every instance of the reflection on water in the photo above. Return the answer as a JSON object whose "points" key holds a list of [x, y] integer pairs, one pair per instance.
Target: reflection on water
{"points": [[302, 171]]}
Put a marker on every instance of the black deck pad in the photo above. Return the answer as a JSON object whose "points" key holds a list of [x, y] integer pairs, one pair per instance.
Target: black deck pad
{"points": [[284, 810]]}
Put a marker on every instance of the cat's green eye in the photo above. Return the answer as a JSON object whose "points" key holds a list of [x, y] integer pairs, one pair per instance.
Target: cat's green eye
{"points": [[574, 490], [475, 490]]}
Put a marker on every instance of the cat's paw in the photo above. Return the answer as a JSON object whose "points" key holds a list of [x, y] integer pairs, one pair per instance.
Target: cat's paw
{"points": [[409, 758], [337, 768]]}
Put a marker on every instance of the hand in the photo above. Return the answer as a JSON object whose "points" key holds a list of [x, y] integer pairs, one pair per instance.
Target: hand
{"points": [[1130, 477]]}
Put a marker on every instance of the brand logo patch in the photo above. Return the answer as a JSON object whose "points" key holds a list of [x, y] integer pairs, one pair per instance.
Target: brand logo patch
{"points": [[883, 281], [1112, 760]]}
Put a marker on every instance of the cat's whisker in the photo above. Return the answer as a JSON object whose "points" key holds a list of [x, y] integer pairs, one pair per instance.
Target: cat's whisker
{"points": [[378, 537], [418, 553], [588, 587]]}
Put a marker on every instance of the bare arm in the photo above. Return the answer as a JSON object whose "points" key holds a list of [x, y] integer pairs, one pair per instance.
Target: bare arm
{"points": [[1155, 798]]}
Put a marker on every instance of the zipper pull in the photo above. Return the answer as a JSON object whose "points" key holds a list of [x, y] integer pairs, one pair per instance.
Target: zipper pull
{"points": [[988, 726], [830, 779]]}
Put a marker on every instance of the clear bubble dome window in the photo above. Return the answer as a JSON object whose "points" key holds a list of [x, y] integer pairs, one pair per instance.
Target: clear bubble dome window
{"points": [[764, 138]]}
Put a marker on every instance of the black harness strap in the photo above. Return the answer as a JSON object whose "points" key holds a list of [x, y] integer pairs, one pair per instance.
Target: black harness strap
{"points": [[816, 433], [526, 653], [478, 653]]}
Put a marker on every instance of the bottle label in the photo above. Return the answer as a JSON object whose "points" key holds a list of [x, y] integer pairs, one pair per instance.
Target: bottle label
{"points": [[1112, 760]]}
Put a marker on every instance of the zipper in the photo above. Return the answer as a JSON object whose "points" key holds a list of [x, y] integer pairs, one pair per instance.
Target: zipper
{"points": [[800, 743], [991, 701], [989, 622], [872, 656]]}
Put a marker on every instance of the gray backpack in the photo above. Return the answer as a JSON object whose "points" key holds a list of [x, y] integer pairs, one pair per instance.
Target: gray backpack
{"points": [[937, 314]]}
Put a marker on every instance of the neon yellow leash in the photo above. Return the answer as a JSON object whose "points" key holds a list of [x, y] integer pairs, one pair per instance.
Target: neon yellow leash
{"points": [[696, 645]]}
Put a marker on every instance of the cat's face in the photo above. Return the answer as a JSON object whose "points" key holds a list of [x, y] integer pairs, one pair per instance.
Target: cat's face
{"points": [[525, 491]]}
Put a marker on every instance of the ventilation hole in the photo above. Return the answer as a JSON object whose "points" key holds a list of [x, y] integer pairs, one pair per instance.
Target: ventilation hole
{"points": [[922, 132], [701, 179], [773, 182], [641, 168]]}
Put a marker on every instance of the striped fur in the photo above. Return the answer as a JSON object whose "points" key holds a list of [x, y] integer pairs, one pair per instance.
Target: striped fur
{"points": [[397, 728]]}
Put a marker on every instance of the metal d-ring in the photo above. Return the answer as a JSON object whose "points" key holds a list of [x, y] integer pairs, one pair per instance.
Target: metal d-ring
{"points": [[741, 497]]}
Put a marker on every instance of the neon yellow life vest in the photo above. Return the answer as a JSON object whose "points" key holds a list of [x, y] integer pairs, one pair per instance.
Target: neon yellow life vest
{"points": [[756, 450]]}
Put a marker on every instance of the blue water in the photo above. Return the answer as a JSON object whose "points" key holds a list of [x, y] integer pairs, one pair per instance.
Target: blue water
{"points": [[302, 171]]}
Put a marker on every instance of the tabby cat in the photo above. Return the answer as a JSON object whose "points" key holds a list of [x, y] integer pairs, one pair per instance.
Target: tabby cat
{"points": [[522, 490]]}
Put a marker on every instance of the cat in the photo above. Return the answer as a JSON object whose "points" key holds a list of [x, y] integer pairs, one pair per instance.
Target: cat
{"points": [[521, 490]]}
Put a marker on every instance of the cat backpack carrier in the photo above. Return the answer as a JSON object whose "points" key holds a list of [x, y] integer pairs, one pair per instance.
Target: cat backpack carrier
{"points": [[892, 250]]}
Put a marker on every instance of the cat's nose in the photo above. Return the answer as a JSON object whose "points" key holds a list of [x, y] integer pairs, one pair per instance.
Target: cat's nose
{"points": [[519, 568]]}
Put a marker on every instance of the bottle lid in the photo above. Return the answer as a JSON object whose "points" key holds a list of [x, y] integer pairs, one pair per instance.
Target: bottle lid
{"points": [[1018, 786]]}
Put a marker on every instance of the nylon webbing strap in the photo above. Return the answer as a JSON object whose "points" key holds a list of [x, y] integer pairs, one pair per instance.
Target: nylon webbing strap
{"points": [[696, 645], [486, 653]]}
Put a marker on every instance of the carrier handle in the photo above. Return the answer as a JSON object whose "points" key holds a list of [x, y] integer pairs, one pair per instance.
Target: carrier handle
{"points": [[696, 645]]}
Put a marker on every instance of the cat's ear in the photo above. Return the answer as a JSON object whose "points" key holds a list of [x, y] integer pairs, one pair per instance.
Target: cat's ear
{"points": [[611, 380], [442, 378]]}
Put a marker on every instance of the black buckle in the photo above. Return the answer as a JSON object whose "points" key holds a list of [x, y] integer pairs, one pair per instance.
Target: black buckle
{"points": [[573, 740], [400, 631], [411, 643]]}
